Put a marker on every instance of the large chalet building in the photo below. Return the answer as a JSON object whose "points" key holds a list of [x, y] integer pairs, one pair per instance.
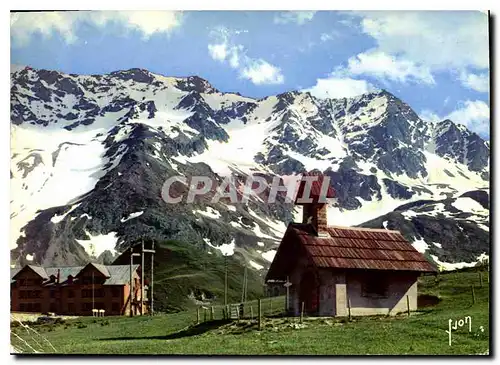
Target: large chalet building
{"points": [[336, 270], [77, 290]]}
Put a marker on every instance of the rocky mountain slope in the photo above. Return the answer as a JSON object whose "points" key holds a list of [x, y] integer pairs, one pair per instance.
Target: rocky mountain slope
{"points": [[90, 153]]}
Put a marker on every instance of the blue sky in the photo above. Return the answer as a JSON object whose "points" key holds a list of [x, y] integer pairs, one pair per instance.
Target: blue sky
{"points": [[437, 62]]}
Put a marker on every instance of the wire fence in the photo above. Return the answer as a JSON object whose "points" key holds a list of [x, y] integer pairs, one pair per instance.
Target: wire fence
{"points": [[269, 307]]}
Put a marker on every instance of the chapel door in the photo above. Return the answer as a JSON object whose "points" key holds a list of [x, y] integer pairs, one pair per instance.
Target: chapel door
{"points": [[309, 293]]}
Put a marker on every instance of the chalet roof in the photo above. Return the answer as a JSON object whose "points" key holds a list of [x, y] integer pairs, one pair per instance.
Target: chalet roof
{"points": [[347, 248], [40, 271], [119, 274], [64, 272], [99, 267], [13, 272], [115, 274]]}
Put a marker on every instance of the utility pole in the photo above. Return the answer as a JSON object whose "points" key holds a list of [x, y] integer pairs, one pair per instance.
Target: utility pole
{"points": [[131, 286], [151, 284], [93, 290], [246, 284], [142, 276], [152, 252], [131, 296], [243, 294], [287, 285], [225, 281]]}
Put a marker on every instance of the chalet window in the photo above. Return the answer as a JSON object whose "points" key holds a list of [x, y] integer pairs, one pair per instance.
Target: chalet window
{"points": [[99, 293], [375, 286], [71, 293], [52, 293], [22, 282], [25, 294], [115, 291], [86, 280], [34, 282]]}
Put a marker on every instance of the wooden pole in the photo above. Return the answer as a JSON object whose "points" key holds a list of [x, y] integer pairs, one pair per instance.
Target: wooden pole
{"points": [[480, 279], [204, 314], [244, 289], [473, 295], [212, 313], [225, 280], [302, 313], [287, 295], [246, 284], [142, 277], [270, 306], [151, 284], [408, 304], [251, 312], [198, 315], [131, 282], [349, 307], [259, 314], [93, 304]]}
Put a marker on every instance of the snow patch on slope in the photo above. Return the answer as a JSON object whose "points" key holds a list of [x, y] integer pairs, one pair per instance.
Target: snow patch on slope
{"points": [[95, 245], [447, 266], [226, 249], [132, 216]]}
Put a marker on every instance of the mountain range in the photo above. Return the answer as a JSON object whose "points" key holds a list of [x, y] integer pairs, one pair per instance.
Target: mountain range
{"points": [[90, 153]]}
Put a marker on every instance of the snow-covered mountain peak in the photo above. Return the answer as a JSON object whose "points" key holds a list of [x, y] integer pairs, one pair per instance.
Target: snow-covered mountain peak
{"points": [[101, 146]]}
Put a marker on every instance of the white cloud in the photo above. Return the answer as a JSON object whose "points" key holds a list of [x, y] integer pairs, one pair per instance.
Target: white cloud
{"points": [[475, 115], [24, 25], [478, 82], [325, 37], [218, 51], [433, 41], [258, 71], [262, 72], [385, 67], [298, 17], [429, 115], [440, 40], [335, 87], [148, 22]]}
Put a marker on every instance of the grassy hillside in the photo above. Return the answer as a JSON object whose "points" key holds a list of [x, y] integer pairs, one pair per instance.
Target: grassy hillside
{"points": [[421, 333], [182, 270]]}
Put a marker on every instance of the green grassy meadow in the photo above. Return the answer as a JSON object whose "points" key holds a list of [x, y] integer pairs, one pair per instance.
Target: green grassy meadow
{"points": [[423, 333]]}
